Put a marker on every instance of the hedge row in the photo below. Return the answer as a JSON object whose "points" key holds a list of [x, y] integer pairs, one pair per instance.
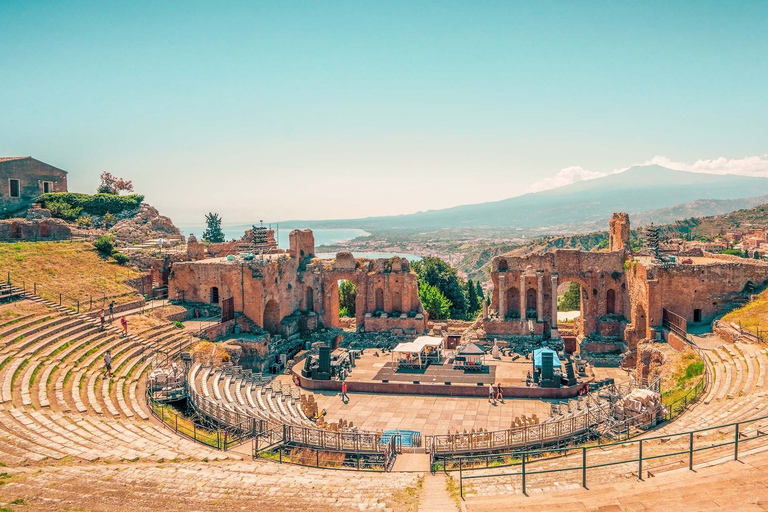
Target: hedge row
{"points": [[98, 204]]}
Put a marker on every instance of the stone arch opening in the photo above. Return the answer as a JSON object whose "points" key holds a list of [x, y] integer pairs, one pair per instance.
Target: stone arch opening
{"points": [[570, 305], [347, 298], [271, 322], [696, 315], [530, 303], [15, 230], [310, 299], [513, 303], [610, 302], [503, 265], [378, 301], [214, 295]]}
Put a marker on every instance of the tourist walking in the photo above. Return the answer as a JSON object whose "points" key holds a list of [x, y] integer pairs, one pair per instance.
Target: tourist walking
{"points": [[124, 323], [491, 393], [499, 393], [108, 363], [101, 317], [112, 311], [344, 389]]}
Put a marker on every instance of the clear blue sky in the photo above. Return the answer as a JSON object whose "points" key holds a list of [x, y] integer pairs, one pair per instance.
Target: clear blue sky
{"points": [[281, 110]]}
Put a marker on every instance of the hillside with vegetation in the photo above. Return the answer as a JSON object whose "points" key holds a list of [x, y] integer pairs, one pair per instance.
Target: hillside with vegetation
{"points": [[75, 269]]}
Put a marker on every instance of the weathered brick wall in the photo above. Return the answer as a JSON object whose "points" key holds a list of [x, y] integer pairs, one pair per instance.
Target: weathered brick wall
{"points": [[268, 293], [31, 174], [595, 272]]}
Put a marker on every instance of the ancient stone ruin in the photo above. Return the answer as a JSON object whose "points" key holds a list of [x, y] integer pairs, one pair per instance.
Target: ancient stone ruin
{"points": [[285, 292], [624, 296]]}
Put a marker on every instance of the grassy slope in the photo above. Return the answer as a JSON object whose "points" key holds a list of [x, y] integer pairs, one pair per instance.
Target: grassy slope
{"points": [[72, 268], [751, 316]]}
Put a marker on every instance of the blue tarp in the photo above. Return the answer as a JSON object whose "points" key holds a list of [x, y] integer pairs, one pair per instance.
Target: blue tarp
{"points": [[406, 436], [537, 357]]}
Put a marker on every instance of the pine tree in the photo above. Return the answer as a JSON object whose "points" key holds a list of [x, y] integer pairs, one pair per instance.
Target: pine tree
{"points": [[213, 233], [473, 302]]}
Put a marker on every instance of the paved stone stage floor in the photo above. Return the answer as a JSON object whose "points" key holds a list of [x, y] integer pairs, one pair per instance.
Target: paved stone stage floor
{"points": [[431, 415]]}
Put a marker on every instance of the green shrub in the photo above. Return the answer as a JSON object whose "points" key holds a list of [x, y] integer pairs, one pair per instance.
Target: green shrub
{"points": [[63, 210], [69, 205], [121, 258], [84, 221], [105, 245], [178, 324]]}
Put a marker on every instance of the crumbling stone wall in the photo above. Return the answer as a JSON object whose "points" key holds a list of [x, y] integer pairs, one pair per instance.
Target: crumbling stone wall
{"points": [[597, 273], [618, 239], [38, 225], [279, 292]]}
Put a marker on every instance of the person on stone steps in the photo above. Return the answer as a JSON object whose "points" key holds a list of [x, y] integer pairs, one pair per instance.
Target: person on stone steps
{"points": [[124, 323], [108, 363]]}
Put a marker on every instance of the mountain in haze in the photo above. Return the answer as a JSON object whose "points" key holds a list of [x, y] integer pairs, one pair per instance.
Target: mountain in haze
{"points": [[576, 206]]}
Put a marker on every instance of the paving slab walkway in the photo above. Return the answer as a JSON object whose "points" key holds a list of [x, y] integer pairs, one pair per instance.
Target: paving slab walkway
{"points": [[435, 496]]}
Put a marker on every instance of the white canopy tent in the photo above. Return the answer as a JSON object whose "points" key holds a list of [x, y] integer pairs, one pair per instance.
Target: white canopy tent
{"points": [[419, 351]]}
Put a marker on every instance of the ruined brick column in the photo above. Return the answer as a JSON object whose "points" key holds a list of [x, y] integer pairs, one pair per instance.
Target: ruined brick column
{"points": [[553, 323], [523, 305], [540, 296], [502, 295]]}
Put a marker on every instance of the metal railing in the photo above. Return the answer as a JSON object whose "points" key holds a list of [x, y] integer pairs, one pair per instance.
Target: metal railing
{"points": [[78, 303], [540, 434], [643, 450], [379, 460]]}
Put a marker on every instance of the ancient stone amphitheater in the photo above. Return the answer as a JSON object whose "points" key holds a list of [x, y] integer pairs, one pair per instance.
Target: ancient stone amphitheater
{"points": [[75, 440]]}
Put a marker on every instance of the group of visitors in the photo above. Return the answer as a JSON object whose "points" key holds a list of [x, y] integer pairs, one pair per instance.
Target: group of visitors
{"points": [[103, 319], [123, 324], [495, 393]]}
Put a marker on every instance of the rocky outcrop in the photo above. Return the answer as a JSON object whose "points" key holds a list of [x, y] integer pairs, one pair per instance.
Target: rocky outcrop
{"points": [[143, 224]]}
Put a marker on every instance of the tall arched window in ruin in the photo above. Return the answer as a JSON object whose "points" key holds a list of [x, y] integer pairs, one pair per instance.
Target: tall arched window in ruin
{"points": [[379, 299], [503, 265], [271, 321], [347, 293], [310, 299], [513, 303], [610, 302], [530, 303], [697, 315], [214, 295]]}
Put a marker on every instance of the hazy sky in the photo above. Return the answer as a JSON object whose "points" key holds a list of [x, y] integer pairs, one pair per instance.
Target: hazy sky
{"points": [[308, 110]]}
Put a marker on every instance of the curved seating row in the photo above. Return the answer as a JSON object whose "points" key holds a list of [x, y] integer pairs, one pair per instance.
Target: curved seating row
{"points": [[56, 400]]}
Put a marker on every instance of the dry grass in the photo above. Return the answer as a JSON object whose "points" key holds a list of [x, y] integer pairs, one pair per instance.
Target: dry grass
{"points": [[14, 310], [72, 268], [751, 316]]}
